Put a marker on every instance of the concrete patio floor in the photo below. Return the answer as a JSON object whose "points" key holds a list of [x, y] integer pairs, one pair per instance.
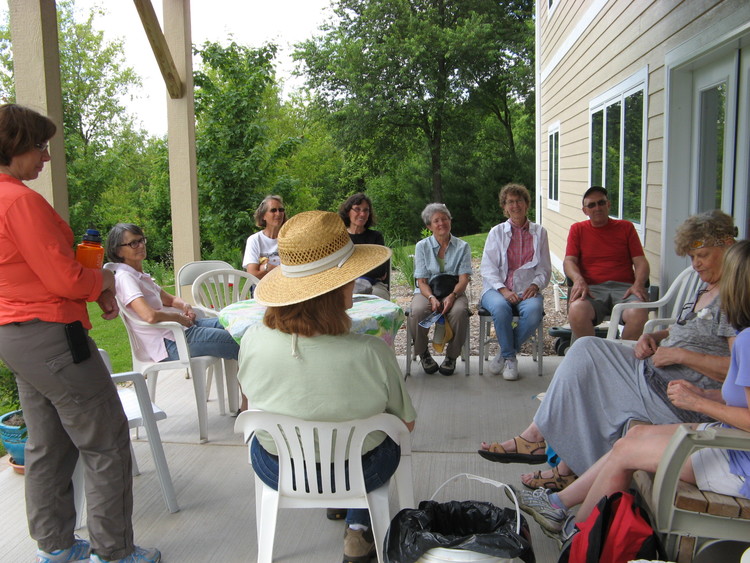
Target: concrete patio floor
{"points": [[214, 482]]}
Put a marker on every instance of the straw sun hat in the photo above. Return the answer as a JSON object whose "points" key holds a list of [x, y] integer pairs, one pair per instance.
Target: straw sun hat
{"points": [[317, 256]]}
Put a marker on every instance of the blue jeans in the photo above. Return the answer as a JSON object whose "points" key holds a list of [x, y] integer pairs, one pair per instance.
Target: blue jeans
{"points": [[378, 465], [529, 312], [206, 338]]}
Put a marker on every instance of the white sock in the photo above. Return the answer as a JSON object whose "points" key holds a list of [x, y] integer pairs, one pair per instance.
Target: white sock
{"points": [[357, 527]]}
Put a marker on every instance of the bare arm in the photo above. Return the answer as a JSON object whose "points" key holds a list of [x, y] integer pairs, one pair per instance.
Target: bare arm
{"points": [[715, 367], [151, 315], [580, 289], [259, 270], [687, 396], [642, 271], [459, 289]]}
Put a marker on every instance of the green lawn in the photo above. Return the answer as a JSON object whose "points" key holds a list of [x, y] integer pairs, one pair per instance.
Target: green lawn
{"points": [[111, 335]]}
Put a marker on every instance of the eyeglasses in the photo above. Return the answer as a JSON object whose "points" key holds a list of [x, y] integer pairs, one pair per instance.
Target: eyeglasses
{"points": [[690, 308], [361, 210], [41, 147], [135, 243], [600, 203], [277, 210]]}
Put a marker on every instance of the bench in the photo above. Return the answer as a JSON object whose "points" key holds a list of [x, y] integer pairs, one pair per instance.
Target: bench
{"points": [[688, 519]]}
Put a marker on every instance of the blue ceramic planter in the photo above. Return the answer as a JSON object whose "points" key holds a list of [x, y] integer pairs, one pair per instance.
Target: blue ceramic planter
{"points": [[14, 438]]}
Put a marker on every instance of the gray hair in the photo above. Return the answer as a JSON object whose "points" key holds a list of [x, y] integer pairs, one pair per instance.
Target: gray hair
{"points": [[433, 208], [263, 209], [114, 239]]}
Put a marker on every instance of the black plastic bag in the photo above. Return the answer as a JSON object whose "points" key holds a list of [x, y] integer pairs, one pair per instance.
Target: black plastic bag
{"points": [[470, 525]]}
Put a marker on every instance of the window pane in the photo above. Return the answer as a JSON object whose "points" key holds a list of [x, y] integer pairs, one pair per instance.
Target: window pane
{"points": [[612, 163], [633, 157], [712, 123], [553, 165], [597, 147]]}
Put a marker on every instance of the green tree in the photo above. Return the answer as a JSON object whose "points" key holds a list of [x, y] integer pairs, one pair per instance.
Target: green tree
{"points": [[103, 149], [239, 162], [383, 67]]}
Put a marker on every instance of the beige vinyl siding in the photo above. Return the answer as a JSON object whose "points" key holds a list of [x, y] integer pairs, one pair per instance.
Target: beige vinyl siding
{"points": [[623, 38]]}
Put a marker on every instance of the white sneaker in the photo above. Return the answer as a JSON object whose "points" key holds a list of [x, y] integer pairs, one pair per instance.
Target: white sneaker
{"points": [[510, 371], [497, 364]]}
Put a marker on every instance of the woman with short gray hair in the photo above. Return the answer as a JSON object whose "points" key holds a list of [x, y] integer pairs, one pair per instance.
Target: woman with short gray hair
{"points": [[442, 268]]}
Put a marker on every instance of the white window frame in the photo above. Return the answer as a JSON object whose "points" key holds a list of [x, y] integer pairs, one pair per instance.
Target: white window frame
{"points": [[631, 85], [553, 204]]}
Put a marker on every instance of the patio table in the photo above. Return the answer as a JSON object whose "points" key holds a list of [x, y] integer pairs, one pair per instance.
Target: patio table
{"points": [[369, 314]]}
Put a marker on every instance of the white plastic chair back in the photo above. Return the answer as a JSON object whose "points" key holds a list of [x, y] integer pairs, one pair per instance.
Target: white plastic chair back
{"points": [[196, 367], [301, 444], [218, 288], [682, 291], [140, 411], [188, 272]]}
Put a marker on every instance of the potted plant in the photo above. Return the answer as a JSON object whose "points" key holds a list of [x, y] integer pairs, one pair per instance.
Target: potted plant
{"points": [[12, 425]]}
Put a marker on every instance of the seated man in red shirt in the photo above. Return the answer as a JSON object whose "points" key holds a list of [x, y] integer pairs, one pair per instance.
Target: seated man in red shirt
{"points": [[604, 258]]}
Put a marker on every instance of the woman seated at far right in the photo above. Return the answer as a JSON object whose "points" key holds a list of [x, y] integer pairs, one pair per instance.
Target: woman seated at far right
{"points": [[717, 470], [440, 253]]}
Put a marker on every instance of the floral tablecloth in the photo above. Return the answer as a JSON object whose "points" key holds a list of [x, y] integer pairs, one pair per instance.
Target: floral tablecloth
{"points": [[370, 315]]}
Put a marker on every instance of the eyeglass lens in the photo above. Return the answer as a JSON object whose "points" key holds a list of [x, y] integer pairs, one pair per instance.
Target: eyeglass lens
{"points": [[690, 308], [277, 210], [135, 243], [600, 203], [361, 209], [41, 147]]}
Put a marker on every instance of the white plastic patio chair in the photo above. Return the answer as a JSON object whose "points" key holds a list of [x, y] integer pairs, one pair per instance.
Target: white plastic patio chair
{"points": [[140, 411], [218, 288], [301, 444], [214, 290], [196, 367], [682, 290], [485, 327], [188, 272]]}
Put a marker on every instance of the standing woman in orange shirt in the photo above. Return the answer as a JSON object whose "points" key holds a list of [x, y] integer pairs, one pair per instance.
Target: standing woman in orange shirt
{"points": [[69, 401]]}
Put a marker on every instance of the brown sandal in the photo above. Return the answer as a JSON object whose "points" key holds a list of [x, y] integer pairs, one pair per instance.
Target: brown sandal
{"points": [[523, 454], [556, 483]]}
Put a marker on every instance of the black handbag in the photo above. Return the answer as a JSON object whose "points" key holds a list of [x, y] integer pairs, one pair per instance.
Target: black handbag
{"points": [[442, 285]]}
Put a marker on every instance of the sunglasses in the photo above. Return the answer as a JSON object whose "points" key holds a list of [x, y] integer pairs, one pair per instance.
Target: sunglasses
{"points": [[600, 203], [277, 210], [135, 243]]}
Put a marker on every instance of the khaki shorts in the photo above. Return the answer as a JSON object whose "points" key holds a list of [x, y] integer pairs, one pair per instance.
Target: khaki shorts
{"points": [[605, 296]]}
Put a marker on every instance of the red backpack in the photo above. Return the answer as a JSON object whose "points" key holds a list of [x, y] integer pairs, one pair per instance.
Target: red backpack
{"points": [[616, 531]]}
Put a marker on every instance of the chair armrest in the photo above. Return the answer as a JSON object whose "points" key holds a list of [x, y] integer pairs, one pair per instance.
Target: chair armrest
{"points": [[617, 311], [177, 330], [652, 325], [683, 443], [202, 312]]}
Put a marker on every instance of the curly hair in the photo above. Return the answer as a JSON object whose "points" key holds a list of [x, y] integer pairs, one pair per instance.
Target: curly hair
{"points": [[356, 199], [710, 228], [518, 190], [260, 213]]}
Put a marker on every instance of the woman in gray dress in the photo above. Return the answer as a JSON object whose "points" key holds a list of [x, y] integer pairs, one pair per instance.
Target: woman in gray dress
{"points": [[601, 385]]}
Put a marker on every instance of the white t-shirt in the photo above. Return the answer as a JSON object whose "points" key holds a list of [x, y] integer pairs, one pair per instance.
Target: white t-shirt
{"points": [[260, 246]]}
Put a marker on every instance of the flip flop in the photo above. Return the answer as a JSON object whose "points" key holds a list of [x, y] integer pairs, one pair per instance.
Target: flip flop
{"points": [[523, 453], [556, 483]]}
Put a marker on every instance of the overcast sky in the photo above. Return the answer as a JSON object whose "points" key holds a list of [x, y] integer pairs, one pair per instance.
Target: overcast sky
{"points": [[249, 22]]}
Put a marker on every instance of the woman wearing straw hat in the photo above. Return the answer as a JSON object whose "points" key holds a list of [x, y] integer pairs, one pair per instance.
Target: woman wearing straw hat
{"points": [[304, 362]]}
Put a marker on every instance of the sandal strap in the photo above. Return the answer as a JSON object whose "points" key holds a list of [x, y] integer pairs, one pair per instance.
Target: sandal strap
{"points": [[523, 446]]}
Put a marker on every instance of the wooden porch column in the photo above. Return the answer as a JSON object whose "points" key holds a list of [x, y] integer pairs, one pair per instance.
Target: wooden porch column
{"points": [[33, 28], [183, 175]]}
